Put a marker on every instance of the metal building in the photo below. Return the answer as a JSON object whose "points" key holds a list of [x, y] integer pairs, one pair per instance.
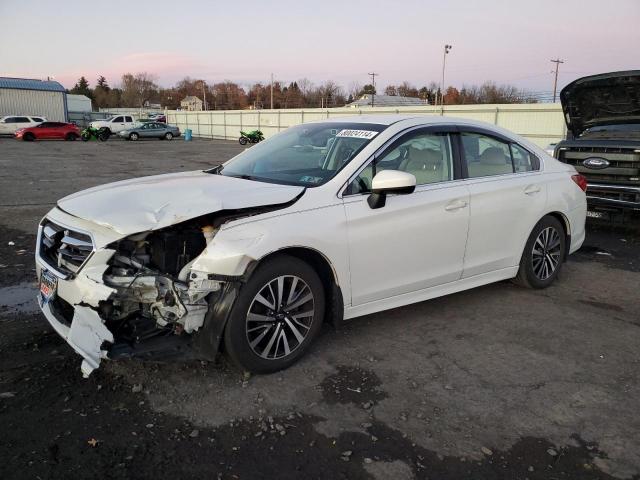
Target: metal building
{"points": [[23, 96]]}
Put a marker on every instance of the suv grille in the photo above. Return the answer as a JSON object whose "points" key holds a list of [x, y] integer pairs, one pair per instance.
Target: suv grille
{"points": [[624, 163], [64, 249]]}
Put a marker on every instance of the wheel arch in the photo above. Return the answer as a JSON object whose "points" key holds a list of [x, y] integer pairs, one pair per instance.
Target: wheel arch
{"points": [[334, 313], [564, 221]]}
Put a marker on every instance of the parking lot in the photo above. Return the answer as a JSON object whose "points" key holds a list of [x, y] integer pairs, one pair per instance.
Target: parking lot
{"points": [[496, 382]]}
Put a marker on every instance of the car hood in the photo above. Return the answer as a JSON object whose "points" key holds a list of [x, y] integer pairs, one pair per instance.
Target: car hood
{"points": [[605, 99], [159, 201]]}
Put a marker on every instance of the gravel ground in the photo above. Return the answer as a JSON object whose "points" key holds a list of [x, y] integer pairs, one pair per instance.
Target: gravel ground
{"points": [[497, 382]]}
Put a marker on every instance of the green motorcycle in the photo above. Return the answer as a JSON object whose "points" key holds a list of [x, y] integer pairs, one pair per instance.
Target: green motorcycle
{"points": [[250, 137], [101, 134]]}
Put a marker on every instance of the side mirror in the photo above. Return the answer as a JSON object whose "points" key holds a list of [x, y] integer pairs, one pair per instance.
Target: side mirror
{"points": [[390, 181]]}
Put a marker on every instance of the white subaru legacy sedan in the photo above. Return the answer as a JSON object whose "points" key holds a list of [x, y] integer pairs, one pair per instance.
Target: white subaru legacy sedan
{"points": [[323, 222]]}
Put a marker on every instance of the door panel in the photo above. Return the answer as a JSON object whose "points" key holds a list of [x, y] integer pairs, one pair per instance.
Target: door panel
{"points": [[414, 242], [503, 211]]}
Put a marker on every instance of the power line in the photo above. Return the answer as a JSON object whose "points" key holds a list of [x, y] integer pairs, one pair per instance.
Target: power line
{"points": [[557, 61], [373, 84]]}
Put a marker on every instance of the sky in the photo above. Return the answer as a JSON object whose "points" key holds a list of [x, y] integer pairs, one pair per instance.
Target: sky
{"points": [[508, 42]]}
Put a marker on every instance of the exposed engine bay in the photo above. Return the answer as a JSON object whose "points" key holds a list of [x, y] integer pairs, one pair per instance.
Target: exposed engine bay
{"points": [[152, 277]]}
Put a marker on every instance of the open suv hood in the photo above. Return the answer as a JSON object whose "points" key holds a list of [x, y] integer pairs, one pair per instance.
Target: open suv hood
{"points": [[159, 201], [605, 99]]}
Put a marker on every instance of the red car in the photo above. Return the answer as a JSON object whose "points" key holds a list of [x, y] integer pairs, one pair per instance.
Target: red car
{"points": [[49, 131]]}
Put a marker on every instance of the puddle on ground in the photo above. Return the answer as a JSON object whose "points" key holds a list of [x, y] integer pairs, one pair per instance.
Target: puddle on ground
{"points": [[19, 298]]}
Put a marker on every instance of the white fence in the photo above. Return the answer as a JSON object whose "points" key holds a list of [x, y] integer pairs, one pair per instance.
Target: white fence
{"points": [[540, 123]]}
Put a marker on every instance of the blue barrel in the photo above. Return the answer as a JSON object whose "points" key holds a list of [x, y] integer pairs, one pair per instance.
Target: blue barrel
{"points": [[187, 135]]}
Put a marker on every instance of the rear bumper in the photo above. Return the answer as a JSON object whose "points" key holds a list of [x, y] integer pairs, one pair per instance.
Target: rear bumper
{"points": [[607, 196]]}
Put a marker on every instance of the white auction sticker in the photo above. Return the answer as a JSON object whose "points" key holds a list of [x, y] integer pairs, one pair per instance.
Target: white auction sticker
{"points": [[366, 134]]}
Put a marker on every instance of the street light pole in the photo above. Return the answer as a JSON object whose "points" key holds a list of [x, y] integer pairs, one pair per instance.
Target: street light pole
{"points": [[204, 95], [272, 91], [444, 61]]}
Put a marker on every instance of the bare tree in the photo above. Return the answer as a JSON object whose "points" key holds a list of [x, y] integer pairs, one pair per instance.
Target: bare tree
{"points": [[138, 88]]}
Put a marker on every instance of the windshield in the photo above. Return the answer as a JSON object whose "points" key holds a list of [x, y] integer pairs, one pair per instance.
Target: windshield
{"points": [[305, 155], [628, 131]]}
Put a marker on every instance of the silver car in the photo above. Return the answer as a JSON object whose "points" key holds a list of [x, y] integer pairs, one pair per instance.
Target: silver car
{"points": [[150, 130]]}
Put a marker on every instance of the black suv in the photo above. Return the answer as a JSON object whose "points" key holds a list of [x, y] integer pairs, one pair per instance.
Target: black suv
{"points": [[603, 119]]}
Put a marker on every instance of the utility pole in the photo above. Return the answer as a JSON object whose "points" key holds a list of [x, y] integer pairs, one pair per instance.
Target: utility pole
{"points": [[204, 95], [272, 91], [444, 61], [373, 83], [557, 61]]}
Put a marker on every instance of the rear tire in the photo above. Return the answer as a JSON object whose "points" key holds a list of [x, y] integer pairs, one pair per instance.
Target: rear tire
{"points": [[258, 337], [134, 137], [242, 140], [28, 137], [168, 136], [543, 254], [71, 137]]}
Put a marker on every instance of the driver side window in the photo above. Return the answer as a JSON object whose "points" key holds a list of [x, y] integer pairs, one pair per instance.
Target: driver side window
{"points": [[426, 155]]}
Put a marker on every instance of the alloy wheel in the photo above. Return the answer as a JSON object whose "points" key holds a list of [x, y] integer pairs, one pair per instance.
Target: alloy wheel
{"points": [[546, 253], [280, 317]]}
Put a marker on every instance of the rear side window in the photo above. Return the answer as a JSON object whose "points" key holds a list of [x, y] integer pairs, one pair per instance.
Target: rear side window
{"points": [[10, 120], [486, 156], [118, 119], [37, 119], [523, 160], [128, 119], [22, 120]]}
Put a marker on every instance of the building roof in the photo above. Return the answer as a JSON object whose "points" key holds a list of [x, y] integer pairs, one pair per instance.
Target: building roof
{"points": [[30, 84], [74, 96], [386, 101], [191, 98]]}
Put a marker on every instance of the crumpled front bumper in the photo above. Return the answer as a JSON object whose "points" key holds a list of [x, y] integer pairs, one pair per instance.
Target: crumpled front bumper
{"points": [[85, 332], [86, 335]]}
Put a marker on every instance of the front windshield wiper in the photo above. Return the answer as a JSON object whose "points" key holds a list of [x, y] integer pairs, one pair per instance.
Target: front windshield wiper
{"points": [[244, 177]]}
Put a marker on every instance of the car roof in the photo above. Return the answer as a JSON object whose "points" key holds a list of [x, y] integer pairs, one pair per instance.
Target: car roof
{"points": [[419, 119]]}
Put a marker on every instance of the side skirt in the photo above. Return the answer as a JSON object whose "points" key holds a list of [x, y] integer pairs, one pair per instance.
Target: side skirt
{"points": [[429, 293]]}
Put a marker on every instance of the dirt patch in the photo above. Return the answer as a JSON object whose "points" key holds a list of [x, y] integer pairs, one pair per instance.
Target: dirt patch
{"points": [[352, 385]]}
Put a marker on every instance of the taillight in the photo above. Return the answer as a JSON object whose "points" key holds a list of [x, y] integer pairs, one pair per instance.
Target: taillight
{"points": [[581, 181]]}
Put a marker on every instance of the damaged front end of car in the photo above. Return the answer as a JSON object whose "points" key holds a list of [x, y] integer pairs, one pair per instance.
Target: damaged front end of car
{"points": [[141, 295]]}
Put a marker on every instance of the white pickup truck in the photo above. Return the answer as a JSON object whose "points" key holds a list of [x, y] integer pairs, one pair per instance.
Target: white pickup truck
{"points": [[116, 123]]}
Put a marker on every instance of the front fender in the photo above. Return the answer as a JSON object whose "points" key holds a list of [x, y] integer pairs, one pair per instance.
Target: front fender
{"points": [[244, 242]]}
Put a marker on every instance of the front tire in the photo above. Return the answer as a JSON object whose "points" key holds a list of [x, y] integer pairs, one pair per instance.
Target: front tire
{"points": [[276, 317], [543, 254], [71, 137], [242, 140], [28, 137], [168, 136], [134, 137]]}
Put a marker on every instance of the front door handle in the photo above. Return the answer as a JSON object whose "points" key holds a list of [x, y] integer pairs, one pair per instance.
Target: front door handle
{"points": [[455, 205], [532, 189]]}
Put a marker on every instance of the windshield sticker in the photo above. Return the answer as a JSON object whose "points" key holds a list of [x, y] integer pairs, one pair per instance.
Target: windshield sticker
{"points": [[366, 134], [308, 179]]}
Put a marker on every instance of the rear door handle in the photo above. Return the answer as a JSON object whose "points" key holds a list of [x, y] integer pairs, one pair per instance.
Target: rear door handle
{"points": [[455, 205], [532, 189]]}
